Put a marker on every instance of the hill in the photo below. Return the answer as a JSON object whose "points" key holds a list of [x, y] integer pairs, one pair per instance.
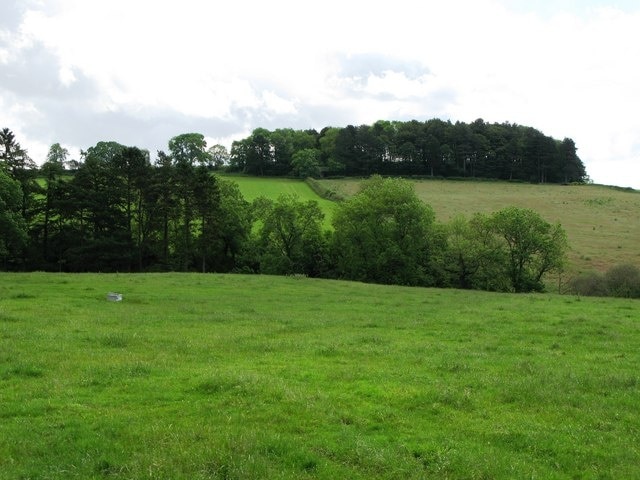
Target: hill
{"points": [[231, 376], [601, 222]]}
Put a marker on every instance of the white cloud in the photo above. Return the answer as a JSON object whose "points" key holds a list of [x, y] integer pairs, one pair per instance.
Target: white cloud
{"points": [[276, 104], [567, 68]]}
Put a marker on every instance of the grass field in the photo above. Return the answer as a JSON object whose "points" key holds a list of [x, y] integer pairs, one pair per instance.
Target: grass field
{"points": [[238, 377], [272, 187]]}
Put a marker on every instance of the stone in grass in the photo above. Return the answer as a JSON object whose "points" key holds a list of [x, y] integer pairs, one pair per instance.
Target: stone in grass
{"points": [[114, 297]]}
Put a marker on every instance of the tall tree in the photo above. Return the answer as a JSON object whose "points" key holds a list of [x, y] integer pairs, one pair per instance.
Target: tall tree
{"points": [[434, 147], [474, 257], [306, 163], [219, 156], [327, 142], [17, 163], [13, 229], [207, 202], [571, 168], [133, 169], [187, 152], [162, 207], [52, 171], [260, 153], [234, 225], [99, 200]]}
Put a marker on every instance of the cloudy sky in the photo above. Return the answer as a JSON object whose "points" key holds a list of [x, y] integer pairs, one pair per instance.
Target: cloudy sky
{"points": [[142, 71]]}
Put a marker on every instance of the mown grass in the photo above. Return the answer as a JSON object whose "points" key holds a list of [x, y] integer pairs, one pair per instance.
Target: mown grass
{"points": [[222, 376]]}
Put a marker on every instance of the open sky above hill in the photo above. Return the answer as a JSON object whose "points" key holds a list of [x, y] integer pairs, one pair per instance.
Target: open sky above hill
{"points": [[140, 72]]}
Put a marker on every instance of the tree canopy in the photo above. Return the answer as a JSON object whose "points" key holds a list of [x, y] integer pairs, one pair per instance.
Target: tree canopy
{"points": [[430, 148], [385, 234]]}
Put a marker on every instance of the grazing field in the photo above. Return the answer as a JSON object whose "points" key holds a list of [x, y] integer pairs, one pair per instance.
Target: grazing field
{"points": [[602, 223], [237, 377], [272, 187]]}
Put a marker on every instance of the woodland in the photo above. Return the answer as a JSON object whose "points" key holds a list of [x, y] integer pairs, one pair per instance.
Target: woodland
{"points": [[115, 209]]}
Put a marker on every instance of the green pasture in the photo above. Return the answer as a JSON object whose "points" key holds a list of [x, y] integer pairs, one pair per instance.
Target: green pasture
{"points": [[237, 377], [272, 187]]}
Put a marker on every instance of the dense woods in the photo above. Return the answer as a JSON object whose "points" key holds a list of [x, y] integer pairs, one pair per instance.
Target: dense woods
{"points": [[431, 148], [115, 210]]}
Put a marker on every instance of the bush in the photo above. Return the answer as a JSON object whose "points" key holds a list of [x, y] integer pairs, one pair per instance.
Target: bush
{"points": [[619, 281], [592, 284], [324, 192], [623, 281]]}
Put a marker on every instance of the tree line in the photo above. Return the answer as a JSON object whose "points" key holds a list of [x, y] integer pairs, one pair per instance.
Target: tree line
{"points": [[431, 148], [115, 210]]}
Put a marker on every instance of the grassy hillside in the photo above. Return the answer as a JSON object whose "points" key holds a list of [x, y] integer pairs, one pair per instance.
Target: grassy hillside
{"points": [[272, 187], [602, 223], [238, 377]]}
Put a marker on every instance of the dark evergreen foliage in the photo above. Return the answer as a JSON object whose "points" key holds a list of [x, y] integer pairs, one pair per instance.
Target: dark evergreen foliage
{"points": [[432, 148]]}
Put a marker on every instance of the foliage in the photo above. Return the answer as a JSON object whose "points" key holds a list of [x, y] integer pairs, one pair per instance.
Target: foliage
{"points": [[533, 246], [322, 191], [385, 234], [13, 235], [431, 148], [600, 236], [619, 281], [234, 226], [189, 149], [120, 212], [623, 281], [590, 284], [474, 258], [306, 163], [219, 156], [290, 235], [510, 250], [15, 161]]}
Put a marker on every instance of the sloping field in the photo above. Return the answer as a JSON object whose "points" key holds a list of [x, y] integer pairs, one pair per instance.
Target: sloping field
{"points": [[602, 223], [272, 187], [196, 376]]}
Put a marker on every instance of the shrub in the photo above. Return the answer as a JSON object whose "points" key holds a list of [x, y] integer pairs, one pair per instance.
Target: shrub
{"points": [[324, 192], [623, 281], [619, 281], [591, 284]]}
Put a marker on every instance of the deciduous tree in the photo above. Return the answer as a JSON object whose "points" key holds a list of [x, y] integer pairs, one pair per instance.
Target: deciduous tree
{"points": [[533, 246], [385, 234], [306, 163], [290, 234]]}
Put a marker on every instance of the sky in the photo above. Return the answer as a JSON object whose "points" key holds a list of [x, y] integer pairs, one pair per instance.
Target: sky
{"points": [[140, 72]]}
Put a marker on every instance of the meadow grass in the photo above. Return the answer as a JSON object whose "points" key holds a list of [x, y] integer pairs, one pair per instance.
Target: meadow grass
{"points": [[236, 377]]}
